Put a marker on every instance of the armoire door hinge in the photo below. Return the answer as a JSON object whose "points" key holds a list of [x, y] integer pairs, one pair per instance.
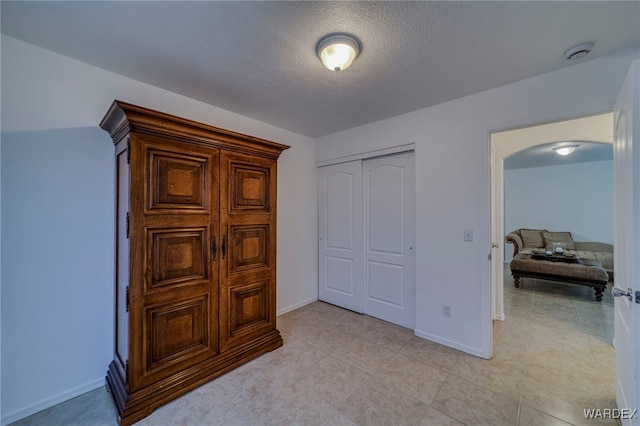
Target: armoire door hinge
{"points": [[128, 294], [127, 224], [126, 373], [129, 150]]}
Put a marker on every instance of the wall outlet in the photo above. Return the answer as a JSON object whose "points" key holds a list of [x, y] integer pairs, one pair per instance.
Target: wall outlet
{"points": [[446, 311], [468, 235]]}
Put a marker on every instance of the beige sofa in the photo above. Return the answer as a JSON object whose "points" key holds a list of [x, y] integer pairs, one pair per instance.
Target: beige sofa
{"points": [[526, 240]]}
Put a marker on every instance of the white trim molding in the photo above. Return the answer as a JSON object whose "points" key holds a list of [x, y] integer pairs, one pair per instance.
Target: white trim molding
{"points": [[369, 154]]}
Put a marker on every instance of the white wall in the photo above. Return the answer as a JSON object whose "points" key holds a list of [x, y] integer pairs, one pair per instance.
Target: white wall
{"points": [[453, 184], [58, 220], [574, 197]]}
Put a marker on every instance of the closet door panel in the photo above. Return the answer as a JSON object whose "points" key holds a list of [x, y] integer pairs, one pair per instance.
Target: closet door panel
{"points": [[248, 232], [389, 279], [174, 223], [341, 235]]}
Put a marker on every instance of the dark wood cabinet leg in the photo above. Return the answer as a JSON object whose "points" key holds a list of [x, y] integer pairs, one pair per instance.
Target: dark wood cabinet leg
{"points": [[516, 281], [599, 289]]}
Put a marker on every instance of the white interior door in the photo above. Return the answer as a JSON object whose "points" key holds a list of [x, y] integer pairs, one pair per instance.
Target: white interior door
{"points": [[340, 234], [626, 160], [389, 222]]}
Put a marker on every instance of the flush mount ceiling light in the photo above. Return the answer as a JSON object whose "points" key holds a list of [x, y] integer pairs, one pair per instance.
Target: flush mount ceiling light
{"points": [[579, 51], [337, 51], [565, 150]]}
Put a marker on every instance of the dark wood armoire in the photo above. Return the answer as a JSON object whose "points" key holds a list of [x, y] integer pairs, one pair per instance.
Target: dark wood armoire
{"points": [[195, 255]]}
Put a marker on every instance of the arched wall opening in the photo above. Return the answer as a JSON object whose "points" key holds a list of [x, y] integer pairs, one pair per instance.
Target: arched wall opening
{"points": [[505, 144]]}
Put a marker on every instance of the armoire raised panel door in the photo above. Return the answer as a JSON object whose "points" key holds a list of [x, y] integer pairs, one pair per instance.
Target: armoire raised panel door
{"points": [[195, 262], [247, 276], [176, 306]]}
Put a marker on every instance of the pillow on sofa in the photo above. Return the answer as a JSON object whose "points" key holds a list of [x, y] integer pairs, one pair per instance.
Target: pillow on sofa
{"points": [[558, 237], [532, 238]]}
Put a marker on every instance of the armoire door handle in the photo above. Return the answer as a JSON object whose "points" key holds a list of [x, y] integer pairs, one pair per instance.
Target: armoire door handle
{"points": [[224, 247], [214, 248]]}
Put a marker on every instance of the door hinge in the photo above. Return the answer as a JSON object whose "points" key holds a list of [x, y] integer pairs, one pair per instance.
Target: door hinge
{"points": [[127, 224], [638, 297], [128, 296], [126, 373], [129, 150]]}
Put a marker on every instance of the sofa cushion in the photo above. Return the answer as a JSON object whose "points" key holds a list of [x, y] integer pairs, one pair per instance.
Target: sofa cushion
{"points": [[593, 246], [604, 258], [558, 237], [532, 238]]}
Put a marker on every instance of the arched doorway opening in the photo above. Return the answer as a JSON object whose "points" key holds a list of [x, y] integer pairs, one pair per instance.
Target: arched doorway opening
{"points": [[504, 144]]}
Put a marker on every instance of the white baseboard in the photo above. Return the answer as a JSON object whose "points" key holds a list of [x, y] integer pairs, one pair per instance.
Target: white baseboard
{"points": [[296, 306], [499, 317], [50, 402], [455, 345]]}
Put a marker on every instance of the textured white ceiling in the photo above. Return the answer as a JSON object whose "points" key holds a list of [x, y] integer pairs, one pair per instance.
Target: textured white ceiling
{"points": [[258, 58]]}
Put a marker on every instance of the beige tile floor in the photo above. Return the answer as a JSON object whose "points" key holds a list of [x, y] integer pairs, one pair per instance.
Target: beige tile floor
{"points": [[553, 358]]}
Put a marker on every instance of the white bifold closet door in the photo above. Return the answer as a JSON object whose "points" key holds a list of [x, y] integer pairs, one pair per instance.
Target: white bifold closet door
{"points": [[366, 237]]}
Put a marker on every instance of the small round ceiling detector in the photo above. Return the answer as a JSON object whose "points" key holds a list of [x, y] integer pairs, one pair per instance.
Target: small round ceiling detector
{"points": [[577, 52]]}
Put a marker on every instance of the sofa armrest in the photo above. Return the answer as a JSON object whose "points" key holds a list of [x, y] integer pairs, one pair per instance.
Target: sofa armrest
{"points": [[514, 238], [593, 246]]}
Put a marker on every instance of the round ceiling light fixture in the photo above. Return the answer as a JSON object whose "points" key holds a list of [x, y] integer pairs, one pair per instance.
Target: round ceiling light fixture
{"points": [[337, 51], [577, 52], [565, 149]]}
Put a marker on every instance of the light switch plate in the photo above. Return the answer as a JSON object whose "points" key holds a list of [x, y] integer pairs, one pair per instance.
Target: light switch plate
{"points": [[446, 311]]}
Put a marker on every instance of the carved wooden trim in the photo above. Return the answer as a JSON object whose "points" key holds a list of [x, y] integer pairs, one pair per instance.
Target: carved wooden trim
{"points": [[123, 118]]}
